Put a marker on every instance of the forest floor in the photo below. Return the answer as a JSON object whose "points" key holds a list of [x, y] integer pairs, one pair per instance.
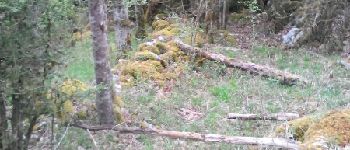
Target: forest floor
{"points": [[200, 99]]}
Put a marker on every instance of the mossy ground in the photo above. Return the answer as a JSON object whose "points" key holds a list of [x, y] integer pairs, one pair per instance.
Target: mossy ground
{"points": [[215, 90]]}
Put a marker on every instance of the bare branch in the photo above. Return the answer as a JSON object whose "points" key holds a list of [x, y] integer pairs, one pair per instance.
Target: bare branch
{"points": [[276, 116], [237, 140]]}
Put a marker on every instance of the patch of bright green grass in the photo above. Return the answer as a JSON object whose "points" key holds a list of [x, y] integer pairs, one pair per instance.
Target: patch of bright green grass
{"points": [[225, 92], [80, 62]]}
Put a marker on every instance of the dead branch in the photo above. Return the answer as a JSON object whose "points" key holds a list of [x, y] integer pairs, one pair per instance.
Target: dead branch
{"points": [[278, 142], [276, 116], [265, 71]]}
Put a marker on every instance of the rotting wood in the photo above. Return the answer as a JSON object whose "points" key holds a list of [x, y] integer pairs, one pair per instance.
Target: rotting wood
{"points": [[275, 116], [237, 140], [265, 71]]}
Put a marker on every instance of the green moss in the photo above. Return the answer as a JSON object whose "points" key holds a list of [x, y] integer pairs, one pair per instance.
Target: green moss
{"points": [[146, 55], [160, 25], [334, 126], [71, 86], [145, 47], [297, 127], [316, 133], [169, 31]]}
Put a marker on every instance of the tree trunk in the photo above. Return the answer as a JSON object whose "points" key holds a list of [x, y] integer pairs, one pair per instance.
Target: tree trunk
{"points": [[224, 12], [3, 119], [141, 22], [122, 26], [98, 21], [17, 115]]}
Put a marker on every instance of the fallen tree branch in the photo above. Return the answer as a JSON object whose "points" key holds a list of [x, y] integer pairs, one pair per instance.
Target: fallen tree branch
{"points": [[278, 142], [265, 71], [276, 116]]}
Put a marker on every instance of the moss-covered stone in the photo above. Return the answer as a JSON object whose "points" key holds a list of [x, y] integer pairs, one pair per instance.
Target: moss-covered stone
{"points": [[151, 48], [318, 133], [296, 127], [159, 60], [149, 69], [160, 24], [333, 128], [169, 31], [146, 55]]}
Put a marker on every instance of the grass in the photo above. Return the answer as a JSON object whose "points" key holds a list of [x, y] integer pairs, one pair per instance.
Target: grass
{"points": [[80, 62], [215, 90]]}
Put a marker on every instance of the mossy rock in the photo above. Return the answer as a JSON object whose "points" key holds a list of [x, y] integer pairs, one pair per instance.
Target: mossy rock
{"points": [[146, 55], [333, 128], [160, 24], [149, 69], [297, 127], [169, 31], [151, 48], [318, 133]]}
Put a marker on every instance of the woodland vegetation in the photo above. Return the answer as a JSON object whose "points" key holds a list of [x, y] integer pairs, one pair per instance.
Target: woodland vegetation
{"points": [[174, 74]]}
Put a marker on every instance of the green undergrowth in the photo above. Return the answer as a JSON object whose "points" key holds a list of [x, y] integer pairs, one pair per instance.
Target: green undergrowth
{"points": [[215, 90]]}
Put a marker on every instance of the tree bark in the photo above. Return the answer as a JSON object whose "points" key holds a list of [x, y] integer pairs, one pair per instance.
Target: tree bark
{"points": [[122, 26], [237, 140], [277, 116], [224, 12], [98, 21], [265, 71], [3, 119]]}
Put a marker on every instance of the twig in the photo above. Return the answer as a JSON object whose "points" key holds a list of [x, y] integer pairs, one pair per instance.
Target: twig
{"points": [[64, 135], [92, 138]]}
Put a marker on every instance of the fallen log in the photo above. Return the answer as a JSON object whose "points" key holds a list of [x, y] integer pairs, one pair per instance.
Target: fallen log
{"points": [[276, 116], [278, 142], [265, 71]]}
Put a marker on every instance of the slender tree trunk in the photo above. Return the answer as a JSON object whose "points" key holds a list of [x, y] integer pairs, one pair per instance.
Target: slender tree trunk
{"points": [[122, 26], [98, 21], [17, 115], [224, 12], [3, 120]]}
